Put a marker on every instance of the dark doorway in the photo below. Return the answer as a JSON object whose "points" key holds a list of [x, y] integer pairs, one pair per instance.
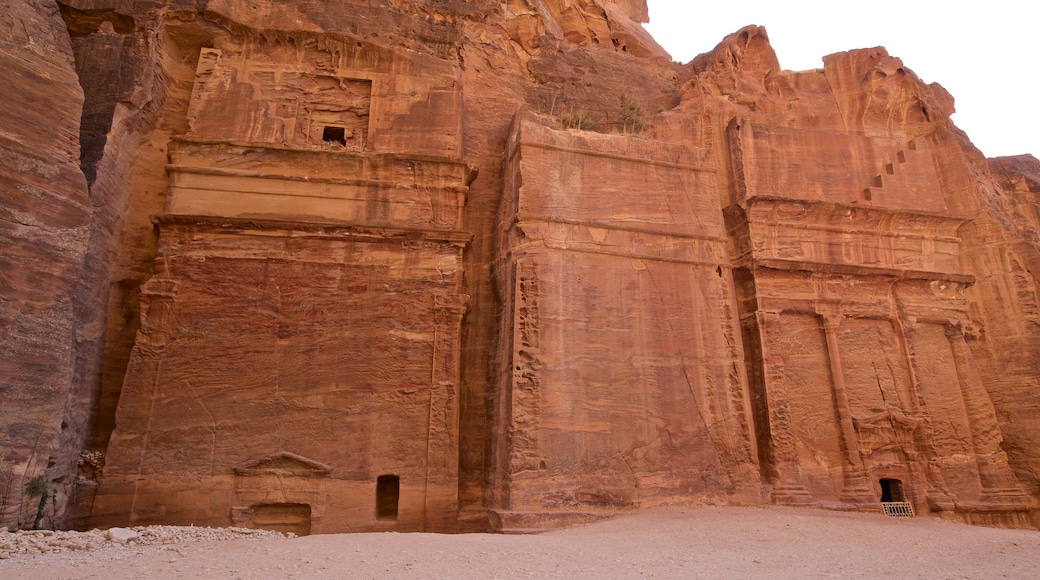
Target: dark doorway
{"points": [[334, 135], [388, 494], [282, 517], [891, 490]]}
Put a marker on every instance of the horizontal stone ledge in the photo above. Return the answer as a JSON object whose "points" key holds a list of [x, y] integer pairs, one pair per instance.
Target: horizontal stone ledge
{"points": [[862, 270], [831, 206], [187, 191], [525, 249], [186, 140], [295, 228], [523, 219], [912, 316], [225, 172], [782, 225], [857, 309], [617, 156]]}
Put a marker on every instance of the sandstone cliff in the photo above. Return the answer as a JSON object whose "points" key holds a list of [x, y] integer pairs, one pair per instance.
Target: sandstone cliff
{"points": [[47, 324], [396, 265]]}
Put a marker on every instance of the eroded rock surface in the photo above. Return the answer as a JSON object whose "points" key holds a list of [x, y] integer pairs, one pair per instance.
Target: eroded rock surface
{"points": [[45, 216], [465, 266], [28, 543]]}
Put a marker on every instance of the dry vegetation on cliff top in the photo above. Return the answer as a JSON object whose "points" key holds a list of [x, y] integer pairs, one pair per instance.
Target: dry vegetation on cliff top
{"points": [[710, 542]]}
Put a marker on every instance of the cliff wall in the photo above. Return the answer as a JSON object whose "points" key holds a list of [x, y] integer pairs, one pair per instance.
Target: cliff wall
{"points": [[45, 275], [461, 266]]}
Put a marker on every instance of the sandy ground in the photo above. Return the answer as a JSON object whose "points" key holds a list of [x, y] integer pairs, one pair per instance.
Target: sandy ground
{"points": [[710, 542]]}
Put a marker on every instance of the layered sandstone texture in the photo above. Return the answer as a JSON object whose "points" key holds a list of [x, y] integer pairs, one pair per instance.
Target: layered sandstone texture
{"points": [[666, 413], [466, 266], [45, 219], [307, 205]]}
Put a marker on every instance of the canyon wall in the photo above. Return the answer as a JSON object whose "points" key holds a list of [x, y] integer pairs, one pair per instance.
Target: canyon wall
{"points": [[45, 276], [469, 266]]}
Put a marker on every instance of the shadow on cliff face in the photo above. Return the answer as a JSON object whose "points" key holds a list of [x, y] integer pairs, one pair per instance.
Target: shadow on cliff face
{"points": [[109, 37]]}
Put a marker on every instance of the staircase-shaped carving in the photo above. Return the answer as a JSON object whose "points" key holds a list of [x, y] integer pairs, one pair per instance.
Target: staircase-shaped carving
{"points": [[892, 174], [907, 180]]}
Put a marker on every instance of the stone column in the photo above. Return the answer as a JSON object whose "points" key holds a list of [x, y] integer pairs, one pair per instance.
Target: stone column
{"points": [[116, 500], [997, 481], [442, 445], [157, 297], [857, 487], [789, 487]]}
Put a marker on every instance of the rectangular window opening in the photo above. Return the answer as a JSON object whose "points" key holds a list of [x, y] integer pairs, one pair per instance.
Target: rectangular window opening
{"points": [[336, 135]]}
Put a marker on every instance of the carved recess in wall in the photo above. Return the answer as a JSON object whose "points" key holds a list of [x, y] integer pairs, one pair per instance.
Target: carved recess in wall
{"points": [[280, 490], [278, 105]]}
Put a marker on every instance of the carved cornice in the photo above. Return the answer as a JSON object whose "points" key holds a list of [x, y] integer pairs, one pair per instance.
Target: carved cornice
{"points": [[318, 229]]}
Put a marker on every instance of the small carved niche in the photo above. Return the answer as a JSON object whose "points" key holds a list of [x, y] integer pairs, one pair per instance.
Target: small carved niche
{"points": [[278, 492], [388, 495], [335, 135], [282, 517]]}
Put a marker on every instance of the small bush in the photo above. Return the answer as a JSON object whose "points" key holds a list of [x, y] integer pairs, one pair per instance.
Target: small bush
{"points": [[37, 486], [582, 121], [632, 115]]}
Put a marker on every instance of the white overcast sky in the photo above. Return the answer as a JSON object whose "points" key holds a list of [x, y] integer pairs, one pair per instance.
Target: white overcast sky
{"points": [[986, 54]]}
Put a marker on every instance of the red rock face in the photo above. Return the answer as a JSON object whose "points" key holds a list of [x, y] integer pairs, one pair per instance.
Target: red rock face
{"points": [[45, 217], [467, 266], [616, 402], [332, 220]]}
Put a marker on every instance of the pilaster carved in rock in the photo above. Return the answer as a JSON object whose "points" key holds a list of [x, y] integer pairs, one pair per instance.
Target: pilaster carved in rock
{"points": [[997, 481], [157, 297], [790, 485], [442, 466], [856, 487]]}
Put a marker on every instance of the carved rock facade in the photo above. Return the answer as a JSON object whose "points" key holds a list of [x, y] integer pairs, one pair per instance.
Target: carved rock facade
{"points": [[465, 266], [306, 207]]}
